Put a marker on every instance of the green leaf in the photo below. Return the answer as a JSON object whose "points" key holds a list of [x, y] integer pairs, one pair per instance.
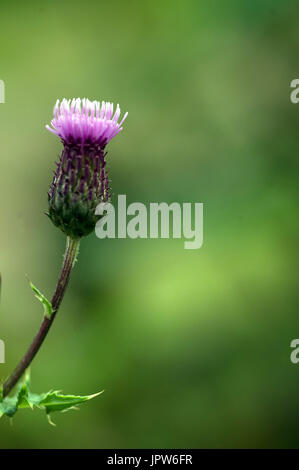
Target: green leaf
{"points": [[50, 401], [8, 407], [48, 309], [55, 401]]}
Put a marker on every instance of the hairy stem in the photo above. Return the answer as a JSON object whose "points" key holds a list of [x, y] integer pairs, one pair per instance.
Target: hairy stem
{"points": [[68, 263]]}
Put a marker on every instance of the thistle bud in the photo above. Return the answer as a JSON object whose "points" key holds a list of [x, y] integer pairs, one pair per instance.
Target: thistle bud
{"points": [[81, 181]]}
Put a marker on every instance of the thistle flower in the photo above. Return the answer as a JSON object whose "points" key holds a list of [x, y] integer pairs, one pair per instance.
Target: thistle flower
{"points": [[79, 184], [81, 181]]}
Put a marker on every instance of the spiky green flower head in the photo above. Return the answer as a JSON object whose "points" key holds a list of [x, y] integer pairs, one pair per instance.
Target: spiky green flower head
{"points": [[81, 181]]}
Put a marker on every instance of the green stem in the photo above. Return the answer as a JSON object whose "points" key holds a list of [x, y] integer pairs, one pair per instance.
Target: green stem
{"points": [[71, 251]]}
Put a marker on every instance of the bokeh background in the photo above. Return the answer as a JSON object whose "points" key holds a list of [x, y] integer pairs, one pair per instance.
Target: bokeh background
{"points": [[191, 347]]}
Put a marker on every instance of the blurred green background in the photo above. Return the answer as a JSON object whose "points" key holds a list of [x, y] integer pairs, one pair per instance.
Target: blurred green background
{"points": [[191, 347]]}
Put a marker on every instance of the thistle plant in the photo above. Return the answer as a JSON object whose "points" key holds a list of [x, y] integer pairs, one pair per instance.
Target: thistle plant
{"points": [[79, 184]]}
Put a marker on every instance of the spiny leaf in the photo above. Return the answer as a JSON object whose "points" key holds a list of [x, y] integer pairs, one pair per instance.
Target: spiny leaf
{"points": [[50, 401], [55, 401], [48, 309], [8, 406]]}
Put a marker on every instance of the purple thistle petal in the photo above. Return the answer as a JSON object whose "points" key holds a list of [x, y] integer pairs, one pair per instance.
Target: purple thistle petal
{"points": [[85, 122]]}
